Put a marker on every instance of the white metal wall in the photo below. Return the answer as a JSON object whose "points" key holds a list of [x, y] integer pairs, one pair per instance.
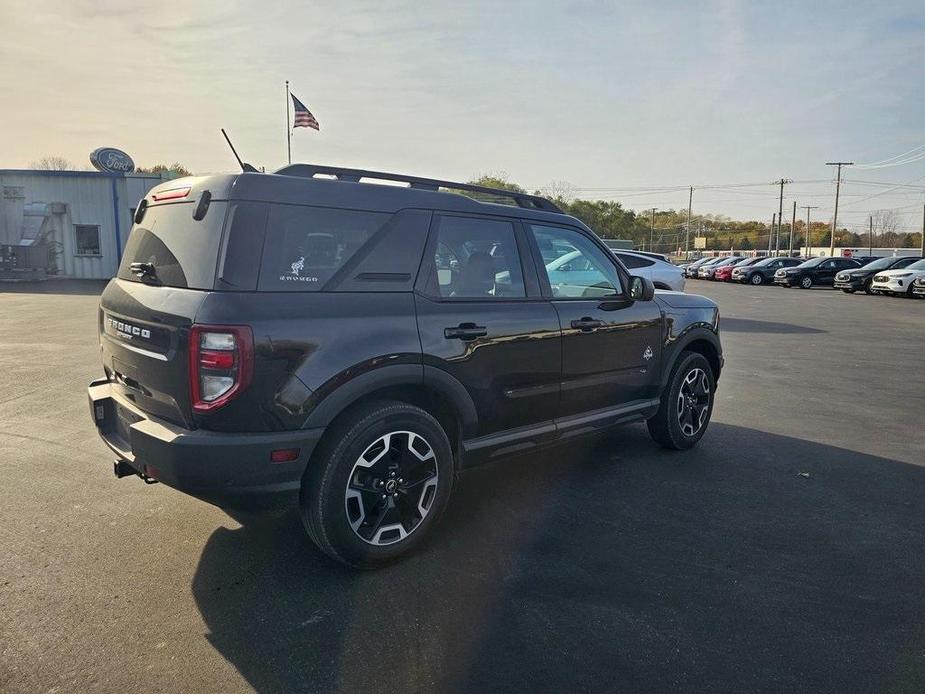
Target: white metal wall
{"points": [[88, 199]]}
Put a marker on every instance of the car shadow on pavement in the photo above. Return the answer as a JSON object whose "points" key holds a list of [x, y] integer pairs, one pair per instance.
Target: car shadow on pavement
{"points": [[749, 325], [55, 286], [753, 562]]}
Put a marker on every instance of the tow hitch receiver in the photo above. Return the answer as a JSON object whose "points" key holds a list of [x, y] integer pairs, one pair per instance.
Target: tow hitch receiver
{"points": [[121, 469]]}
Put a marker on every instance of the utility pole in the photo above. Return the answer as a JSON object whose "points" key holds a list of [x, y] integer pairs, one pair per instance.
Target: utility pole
{"points": [[923, 230], [652, 230], [771, 232], [839, 164], [808, 240], [793, 226], [870, 236], [687, 242], [780, 210]]}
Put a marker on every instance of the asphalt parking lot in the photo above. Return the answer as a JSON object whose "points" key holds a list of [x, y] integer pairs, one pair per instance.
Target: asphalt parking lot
{"points": [[785, 553]]}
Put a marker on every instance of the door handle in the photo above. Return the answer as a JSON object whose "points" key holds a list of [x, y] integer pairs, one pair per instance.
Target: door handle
{"points": [[465, 332], [587, 324]]}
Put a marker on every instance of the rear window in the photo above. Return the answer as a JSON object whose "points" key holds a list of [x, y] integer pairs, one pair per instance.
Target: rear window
{"points": [[634, 261], [306, 246], [182, 250]]}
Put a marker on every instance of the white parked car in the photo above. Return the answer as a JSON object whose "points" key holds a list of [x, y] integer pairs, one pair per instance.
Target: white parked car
{"points": [[898, 281], [664, 275]]}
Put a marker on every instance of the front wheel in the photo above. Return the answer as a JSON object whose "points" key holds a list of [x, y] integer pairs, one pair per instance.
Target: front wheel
{"points": [[806, 282], [756, 279], [379, 482], [687, 403]]}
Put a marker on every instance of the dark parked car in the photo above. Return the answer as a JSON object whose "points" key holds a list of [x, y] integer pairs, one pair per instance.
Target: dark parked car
{"points": [[858, 279], [763, 271], [814, 271], [349, 347]]}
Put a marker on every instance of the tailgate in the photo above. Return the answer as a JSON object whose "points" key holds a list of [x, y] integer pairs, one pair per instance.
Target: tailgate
{"points": [[143, 343]]}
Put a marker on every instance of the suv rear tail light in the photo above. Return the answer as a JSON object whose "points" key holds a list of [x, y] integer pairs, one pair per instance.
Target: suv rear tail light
{"points": [[221, 361]]}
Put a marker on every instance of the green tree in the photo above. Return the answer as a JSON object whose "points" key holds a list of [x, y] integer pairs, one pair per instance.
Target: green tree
{"points": [[176, 169]]}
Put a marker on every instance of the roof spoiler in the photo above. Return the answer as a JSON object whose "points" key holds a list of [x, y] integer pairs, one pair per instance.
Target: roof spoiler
{"points": [[533, 202]]}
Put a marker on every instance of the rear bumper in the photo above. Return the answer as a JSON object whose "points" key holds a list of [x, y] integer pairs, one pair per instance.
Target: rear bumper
{"points": [[228, 469]]}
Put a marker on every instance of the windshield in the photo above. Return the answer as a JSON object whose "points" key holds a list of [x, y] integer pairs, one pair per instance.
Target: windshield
{"points": [[813, 262], [917, 265], [880, 264]]}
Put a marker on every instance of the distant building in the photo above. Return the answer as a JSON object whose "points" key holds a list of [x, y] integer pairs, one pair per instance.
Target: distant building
{"points": [[67, 223], [851, 251]]}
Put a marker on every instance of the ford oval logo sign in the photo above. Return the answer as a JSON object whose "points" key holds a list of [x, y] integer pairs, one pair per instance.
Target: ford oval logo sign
{"points": [[111, 160]]}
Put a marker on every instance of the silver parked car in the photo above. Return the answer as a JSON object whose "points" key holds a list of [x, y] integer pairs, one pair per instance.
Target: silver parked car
{"points": [[664, 275]]}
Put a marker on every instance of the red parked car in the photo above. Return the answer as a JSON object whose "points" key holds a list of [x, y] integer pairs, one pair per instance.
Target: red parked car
{"points": [[724, 273]]}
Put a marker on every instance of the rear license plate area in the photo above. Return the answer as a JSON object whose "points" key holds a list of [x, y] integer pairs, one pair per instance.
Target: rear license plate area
{"points": [[124, 418]]}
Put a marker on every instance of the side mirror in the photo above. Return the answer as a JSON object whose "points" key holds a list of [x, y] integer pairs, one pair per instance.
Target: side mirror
{"points": [[641, 289]]}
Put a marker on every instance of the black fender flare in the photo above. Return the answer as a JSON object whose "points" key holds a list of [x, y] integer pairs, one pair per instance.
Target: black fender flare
{"points": [[346, 393], [675, 346]]}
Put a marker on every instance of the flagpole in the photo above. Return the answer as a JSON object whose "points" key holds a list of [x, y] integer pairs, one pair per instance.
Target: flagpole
{"points": [[288, 129]]}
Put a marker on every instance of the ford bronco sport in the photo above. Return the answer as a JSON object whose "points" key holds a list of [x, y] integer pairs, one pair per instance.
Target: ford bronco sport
{"points": [[316, 337]]}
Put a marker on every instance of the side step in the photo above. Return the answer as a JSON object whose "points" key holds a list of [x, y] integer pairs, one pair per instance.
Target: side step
{"points": [[121, 468]]}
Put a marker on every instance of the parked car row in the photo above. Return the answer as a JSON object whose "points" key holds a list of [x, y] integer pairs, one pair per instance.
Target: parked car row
{"points": [[897, 275]]}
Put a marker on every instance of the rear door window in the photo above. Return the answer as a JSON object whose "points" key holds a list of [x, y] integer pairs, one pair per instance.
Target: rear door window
{"points": [[182, 250], [634, 261], [476, 258], [306, 246]]}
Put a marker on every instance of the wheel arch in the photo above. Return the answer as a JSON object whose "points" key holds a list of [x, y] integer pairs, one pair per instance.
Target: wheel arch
{"points": [[700, 340], [433, 390]]}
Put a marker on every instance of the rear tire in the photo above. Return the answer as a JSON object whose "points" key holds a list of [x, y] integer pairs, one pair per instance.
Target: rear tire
{"points": [[848, 291], [686, 403], [378, 483]]}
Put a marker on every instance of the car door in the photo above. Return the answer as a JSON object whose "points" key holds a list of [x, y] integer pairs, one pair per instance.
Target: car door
{"points": [[825, 272], [611, 345], [484, 323]]}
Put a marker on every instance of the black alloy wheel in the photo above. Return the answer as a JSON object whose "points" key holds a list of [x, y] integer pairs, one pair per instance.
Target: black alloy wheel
{"points": [[378, 482], [686, 403]]}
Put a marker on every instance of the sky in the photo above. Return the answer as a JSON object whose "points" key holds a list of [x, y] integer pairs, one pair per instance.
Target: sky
{"points": [[626, 101]]}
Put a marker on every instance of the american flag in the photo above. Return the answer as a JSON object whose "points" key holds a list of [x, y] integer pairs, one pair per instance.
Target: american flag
{"points": [[303, 117]]}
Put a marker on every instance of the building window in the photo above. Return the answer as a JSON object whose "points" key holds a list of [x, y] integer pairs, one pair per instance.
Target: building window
{"points": [[88, 239]]}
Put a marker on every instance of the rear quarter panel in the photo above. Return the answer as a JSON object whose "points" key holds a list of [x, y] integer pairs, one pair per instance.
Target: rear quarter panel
{"points": [[307, 345]]}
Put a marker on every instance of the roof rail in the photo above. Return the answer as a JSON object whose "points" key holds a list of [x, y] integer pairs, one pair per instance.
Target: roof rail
{"points": [[534, 202]]}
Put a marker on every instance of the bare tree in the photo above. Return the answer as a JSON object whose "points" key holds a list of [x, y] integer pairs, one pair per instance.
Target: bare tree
{"points": [[53, 163], [886, 224], [560, 190]]}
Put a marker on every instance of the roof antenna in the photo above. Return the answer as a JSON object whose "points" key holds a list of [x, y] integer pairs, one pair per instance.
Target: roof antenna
{"points": [[246, 168]]}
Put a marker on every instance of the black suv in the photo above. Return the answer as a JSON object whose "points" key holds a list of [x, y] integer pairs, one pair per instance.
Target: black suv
{"points": [[314, 337], [814, 271], [850, 281]]}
